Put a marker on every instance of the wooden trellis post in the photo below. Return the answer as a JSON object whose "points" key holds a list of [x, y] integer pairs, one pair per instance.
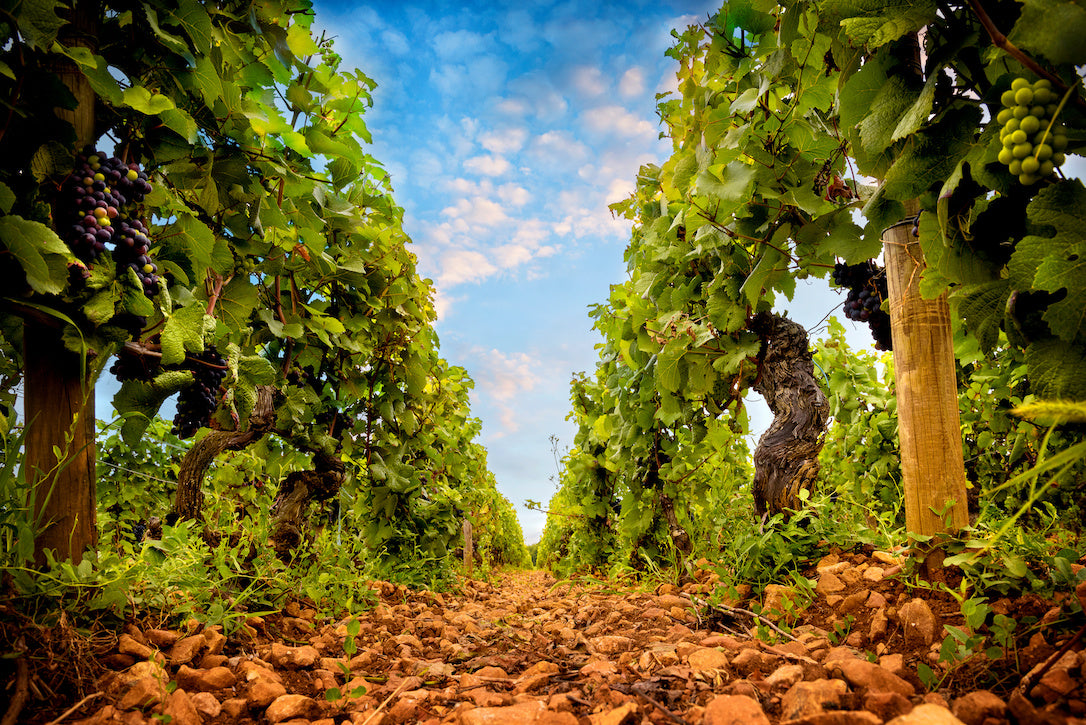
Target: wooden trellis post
{"points": [[932, 467]]}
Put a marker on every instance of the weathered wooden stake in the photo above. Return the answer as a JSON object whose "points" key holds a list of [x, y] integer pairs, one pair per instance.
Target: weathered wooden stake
{"points": [[59, 407], [932, 467], [469, 550]]}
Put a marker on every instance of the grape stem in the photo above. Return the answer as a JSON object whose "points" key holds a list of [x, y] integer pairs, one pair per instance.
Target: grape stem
{"points": [[1014, 51]]}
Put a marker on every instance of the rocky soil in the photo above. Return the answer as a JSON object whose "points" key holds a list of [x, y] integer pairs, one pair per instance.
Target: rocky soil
{"points": [[523, 648]]}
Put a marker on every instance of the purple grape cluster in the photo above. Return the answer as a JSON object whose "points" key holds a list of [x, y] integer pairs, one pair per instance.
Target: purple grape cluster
{"points": [[866, 298], [132, 367], [95, 198], [198, 401]]}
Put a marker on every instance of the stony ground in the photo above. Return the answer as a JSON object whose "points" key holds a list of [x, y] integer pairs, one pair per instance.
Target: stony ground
{"points": [[523, 648]]}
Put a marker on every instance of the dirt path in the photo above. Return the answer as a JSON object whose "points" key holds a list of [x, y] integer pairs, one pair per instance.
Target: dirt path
{"points": [[523, 648]]}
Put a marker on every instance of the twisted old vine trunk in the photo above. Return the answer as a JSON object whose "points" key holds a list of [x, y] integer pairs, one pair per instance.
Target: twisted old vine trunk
{"points": [[190, 476], [786, 459]]}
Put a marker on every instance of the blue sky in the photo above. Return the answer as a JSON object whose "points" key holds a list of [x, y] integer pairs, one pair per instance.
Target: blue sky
{"points": [[508, 128]]}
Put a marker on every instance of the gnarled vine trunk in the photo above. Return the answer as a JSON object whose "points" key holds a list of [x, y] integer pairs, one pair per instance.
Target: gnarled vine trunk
{"points": [[786, 459], [190, 477], [295, 493]]}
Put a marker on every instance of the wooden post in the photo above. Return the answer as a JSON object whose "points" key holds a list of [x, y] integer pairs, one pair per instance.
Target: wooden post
{"points": [[59, 403], [469, 550], [932, 468], [59, 408]]}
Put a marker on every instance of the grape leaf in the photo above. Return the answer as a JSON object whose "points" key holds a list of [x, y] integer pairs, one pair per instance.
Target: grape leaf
{"points": [[183, 332], [1052, 28], [877, 23], [142, 100], [1063, 264], [38, 21], [138, 401], [41, 253], [982, 307], [1056, 369]]}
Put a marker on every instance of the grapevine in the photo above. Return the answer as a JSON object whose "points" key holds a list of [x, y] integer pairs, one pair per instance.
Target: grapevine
{"points": [[1033, 143], [96, 201], [866, 298]]}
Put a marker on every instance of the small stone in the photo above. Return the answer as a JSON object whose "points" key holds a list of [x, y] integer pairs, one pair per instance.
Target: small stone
{"points": [[292, 707], [609, 644], [784, 676], [523, 712], [181, 710], [707, 658], [926, 714], [162, 638], [186, 649], [887, 705], [734, 710], [625, 715], [870, 677], [976, 707], [918, 623], [601, 668], [215, 639], [143, 693], [234, 707], [206, 704], [780, 601], [874, 574], [262, 692], [809, 698], [293, 658], [747, 661], [215, 678], [828, 583], [854, 601], [127, 644], [880, 624], [875, 601]]}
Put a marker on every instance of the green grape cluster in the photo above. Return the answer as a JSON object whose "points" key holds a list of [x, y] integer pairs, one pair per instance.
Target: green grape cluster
{"points": [[1033, 144]]}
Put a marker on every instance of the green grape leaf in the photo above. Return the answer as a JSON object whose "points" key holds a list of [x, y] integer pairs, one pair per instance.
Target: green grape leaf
{"points": [[144, 101], [52, 159], [41, 253], [138, 401], [38, 22], [237, 301], [1062, 255], [929, 157], [1057, 369], [982, 307], [917, 115], [96, 70], [1052, 28], [196, 23], [7, 198], [875, 24], [183, 332]]}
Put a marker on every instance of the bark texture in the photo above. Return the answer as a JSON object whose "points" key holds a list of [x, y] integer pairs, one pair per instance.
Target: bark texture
{"points": [[190, 476], [295, 493], [786, 459]]}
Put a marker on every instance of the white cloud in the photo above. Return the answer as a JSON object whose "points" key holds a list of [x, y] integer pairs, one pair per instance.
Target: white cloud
{"points": [[588, 80], [478, 211], [458, 44], [395, 41], [514, 195], [463, 265], [632, 82], [505, 141], [490, 165], [616, 120], [503, 377], [559, 146]]}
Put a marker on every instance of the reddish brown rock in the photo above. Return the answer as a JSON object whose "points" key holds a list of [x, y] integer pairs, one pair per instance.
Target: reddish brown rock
{"points": [[292, 707], [143, 693], [887, 705], [810, 698], [869, 677], [519, 714], [926, 714], [828, 583], [262, 692], [181, 709], [185, 649], [609, 644], [705, 658], [918, 623], [839, 717], [976, 707], [129, 645], [784, 677], [293, 658], [206, 704], [734, 710], [625, 715], [162, 638]]}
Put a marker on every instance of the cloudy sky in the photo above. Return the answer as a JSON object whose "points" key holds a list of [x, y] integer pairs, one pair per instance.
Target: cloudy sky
{"points": [[508, 127]]}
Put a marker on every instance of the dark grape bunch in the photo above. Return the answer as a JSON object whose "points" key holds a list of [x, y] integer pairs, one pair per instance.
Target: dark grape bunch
{"points": [[94, 210], [132, 367], [1033, 143], [866, 298], [198, 401]]}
